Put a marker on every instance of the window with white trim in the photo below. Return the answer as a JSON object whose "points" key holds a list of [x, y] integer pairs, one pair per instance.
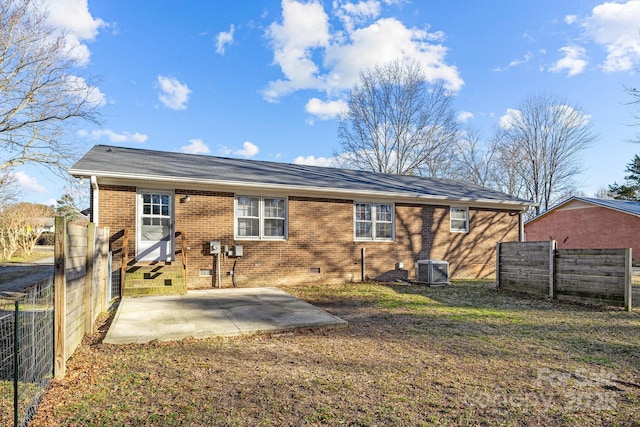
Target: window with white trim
{"points": [[259, 217], [459, 220], [373, 221]]}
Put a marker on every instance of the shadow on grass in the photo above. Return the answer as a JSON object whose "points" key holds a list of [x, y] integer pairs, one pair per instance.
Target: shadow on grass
{"points": [[477, 321]]}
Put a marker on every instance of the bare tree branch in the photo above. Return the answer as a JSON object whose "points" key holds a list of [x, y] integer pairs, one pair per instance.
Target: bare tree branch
{"points": [[541, 144], [40, 96], [397, 122]]}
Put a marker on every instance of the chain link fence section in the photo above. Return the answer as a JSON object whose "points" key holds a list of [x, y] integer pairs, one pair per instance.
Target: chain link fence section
{"points": [[26, 351]]}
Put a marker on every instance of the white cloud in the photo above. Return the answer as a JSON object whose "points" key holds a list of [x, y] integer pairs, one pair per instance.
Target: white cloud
{"points": [[249, 149], [573, 61], [526, 58], [314, 54], [196, 146], [325, 110], [570, 19], [509, 119], [614, 26], [519, 61], [73, 18], [560, 112], [28, 183], [315, 161], [570, 116], [223, 39], [383, 41], [352, 14], [114, 137], [305, 26], [173, 94], [84, 91], [465, 116]]}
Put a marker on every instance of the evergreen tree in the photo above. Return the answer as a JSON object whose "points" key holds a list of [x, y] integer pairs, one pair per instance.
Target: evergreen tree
{"points": [[630, 190], [66, 207]]}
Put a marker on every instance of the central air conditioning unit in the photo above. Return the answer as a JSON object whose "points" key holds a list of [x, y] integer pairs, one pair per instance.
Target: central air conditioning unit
{"points": [[432, 272]]}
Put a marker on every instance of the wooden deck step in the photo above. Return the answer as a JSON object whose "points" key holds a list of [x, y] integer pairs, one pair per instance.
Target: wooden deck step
{"points": [[154, 279]]}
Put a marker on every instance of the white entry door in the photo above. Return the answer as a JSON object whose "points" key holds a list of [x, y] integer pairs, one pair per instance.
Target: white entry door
{"points": [[155, 226]]}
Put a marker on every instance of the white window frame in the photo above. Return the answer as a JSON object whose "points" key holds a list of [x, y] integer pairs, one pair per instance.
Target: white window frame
{"points": [[261, 218], [374, 221], [466, 219]]}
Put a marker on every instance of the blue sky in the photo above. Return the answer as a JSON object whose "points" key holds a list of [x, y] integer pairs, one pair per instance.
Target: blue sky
{"points": [[264, 79]]}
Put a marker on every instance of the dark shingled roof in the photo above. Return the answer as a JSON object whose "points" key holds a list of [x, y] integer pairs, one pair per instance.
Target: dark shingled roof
{"points": [[123, 163]]}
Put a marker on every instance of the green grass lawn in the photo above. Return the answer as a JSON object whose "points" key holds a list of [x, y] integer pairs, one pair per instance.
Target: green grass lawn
{"points": [[458, 355], [37, 254]]}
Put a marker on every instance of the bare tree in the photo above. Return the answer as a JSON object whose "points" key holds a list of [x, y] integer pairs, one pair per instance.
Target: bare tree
{"points": [[40, 96], [603, 193], [546, 136], [21, 225], [397, 122], [9, 193], [477, 163]]}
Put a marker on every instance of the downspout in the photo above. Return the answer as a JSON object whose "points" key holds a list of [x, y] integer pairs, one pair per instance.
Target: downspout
{"points": [[520, 227], [521, 236], [94, 200]]}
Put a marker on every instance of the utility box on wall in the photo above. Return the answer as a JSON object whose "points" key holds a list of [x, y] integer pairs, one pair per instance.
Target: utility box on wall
{"points": [[237, 251], [214, 247]]}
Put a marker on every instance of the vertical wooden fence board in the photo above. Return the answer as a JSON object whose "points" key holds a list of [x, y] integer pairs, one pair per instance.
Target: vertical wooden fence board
{"points": [[60, 305], [628, 292], [88, 278]]}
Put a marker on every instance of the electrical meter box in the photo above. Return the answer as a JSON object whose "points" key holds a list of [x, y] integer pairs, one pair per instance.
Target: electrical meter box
{"points": [[214, 247], [237, 251]]}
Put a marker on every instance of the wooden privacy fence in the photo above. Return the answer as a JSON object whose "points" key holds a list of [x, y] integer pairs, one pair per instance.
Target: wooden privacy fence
{"points": [[597, 276], [80, 281]]}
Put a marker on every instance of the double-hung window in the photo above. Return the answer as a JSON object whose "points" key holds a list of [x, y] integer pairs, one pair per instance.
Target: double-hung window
{"points": [[459, 219], [373, 221], [261, 217]]}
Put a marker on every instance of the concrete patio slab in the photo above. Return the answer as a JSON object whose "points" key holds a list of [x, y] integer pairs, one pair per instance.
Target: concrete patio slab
{"points": [[214, 312]]}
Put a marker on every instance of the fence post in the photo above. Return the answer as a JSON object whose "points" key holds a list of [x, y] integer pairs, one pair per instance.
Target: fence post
{"points": [[552, 268], [498, 265], [88, 278], [16, 363], [628, 291], [60, 298], [104, 251]]}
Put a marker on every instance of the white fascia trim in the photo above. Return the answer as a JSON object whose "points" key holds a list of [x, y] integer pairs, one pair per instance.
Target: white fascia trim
{"points": [[236, 186]]}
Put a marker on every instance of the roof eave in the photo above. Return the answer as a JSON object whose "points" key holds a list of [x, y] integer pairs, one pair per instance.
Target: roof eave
{"points": [[347, 193]]}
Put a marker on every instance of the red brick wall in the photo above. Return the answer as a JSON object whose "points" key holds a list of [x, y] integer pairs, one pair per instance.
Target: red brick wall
{"points": [[588, 228], [320, 236]]}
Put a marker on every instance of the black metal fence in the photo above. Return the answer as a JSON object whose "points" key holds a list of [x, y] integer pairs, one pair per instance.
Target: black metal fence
{"points": [[26, 351]]}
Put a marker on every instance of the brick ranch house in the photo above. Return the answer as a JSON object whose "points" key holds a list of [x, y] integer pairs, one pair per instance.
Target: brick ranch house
{"points": [[589, 223], [293, 223]]}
